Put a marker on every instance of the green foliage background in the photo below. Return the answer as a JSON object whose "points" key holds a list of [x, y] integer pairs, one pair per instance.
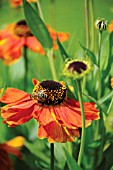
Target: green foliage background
{"points": [[68, 17]]}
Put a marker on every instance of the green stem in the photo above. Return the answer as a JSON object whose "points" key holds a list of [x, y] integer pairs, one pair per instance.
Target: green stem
{"points": [[87, 22], [52, 156], [26, 66], [52, 11], [53, 71], [83, 122], [92, 25], [51, 63], [110, 106], [40, 10], [99, 47], [99, 55]]}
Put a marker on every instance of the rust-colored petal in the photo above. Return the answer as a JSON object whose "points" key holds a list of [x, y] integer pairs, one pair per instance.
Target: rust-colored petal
{"points": [[43, 115], [15, 3], [33, 44], [91, 113], [57, 133], [35, 81], [18, 113], [12, 150], [5, 161], [13, 95], [68, 117]]}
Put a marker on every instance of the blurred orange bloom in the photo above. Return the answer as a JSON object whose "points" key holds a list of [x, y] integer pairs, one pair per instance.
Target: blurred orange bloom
{"points": [[110, 27], [17, 35], [112, 82], [16, 3], [59, 117], [10, 147]]}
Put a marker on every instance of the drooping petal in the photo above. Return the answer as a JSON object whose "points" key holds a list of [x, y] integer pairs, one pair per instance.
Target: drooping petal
{"points": [[33, 44], [68, 117], [56, 133], [43, 115], [13, 95], [91, 113], [18, 114]]}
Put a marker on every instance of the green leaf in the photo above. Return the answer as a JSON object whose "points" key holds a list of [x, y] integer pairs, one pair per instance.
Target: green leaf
{"points": [[62, 50], [37, 26], [90, 54], [95, 144], [72, 164], [108, 96], [97, 103], [107, 161], [4, 90]]}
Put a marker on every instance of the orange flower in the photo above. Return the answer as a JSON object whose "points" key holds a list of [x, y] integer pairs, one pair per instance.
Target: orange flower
{"points": [[58, 116], [16, 3], [12, 148], [112, 82], [17, 35], [110, 27]]}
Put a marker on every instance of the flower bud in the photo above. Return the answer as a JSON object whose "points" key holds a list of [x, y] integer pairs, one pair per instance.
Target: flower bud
{"points": [[101, 24], [77, 68]]}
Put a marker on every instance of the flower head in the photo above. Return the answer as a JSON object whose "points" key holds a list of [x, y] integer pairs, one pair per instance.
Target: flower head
{"points": [[16, 3], [112, 82], [110, 26], [58, 116], [17, 35], [101, 24], [77, 68], [10, 147]]}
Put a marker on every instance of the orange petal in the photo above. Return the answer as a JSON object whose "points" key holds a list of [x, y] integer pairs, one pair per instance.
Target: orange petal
{"points": [[35, 81], [13, 95], [15, 3], [56, 133], [16, 142], [68, 117], [43, 115], [89, 108], [33, 44], [17, 114]]}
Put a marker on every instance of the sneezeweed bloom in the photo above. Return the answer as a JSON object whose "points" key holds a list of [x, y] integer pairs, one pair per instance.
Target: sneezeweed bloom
{"points": [[112, 82], [17, 35], [16, 3], [110, 27], [101, 24], [10, 147], [77, 68], [59, 117]]}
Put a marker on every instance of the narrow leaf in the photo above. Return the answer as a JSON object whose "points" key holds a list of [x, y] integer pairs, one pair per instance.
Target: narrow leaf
{"points": [[37, 26], [90, 54], [108, 96], [72, 164], [62, 50], [97, 103]]}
